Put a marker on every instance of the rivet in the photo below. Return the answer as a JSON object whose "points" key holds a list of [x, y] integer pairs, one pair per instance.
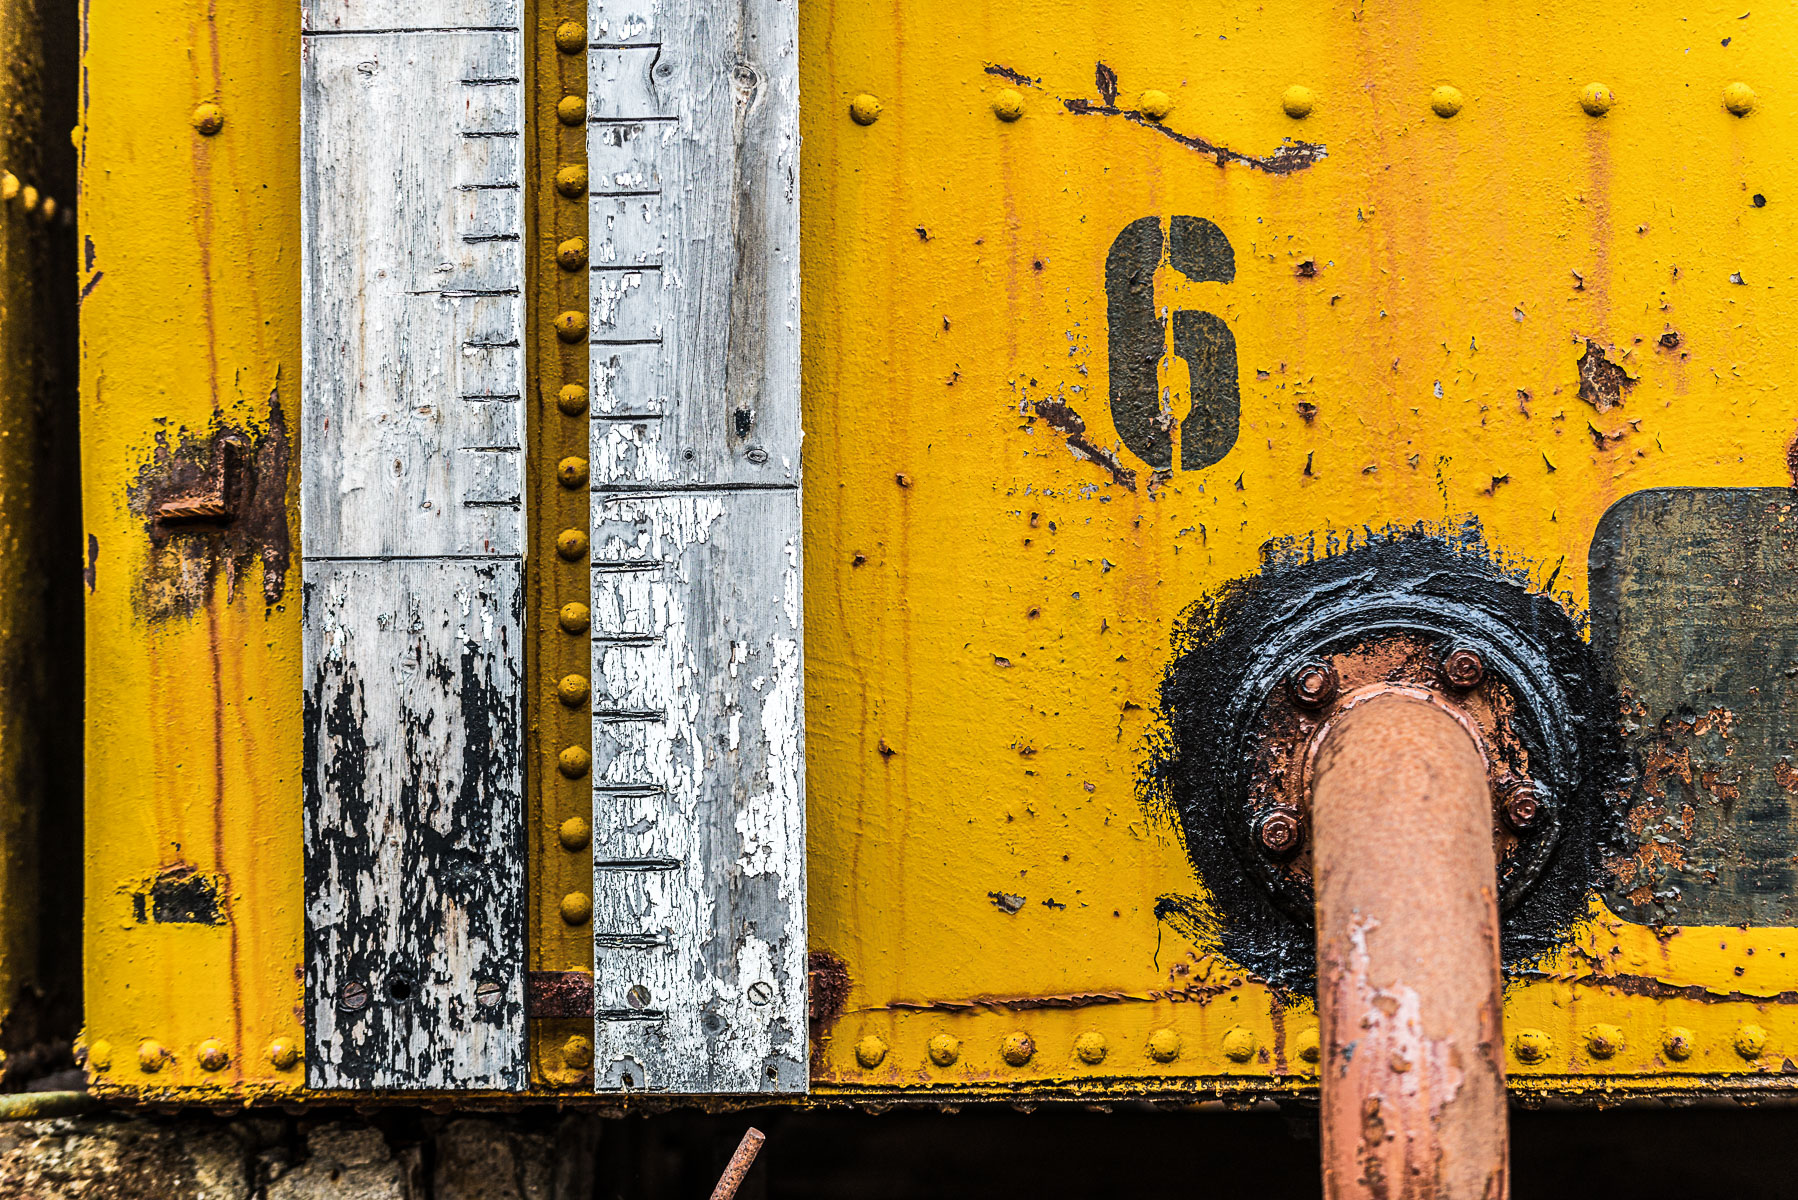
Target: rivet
{"points": [[1677, 1043], [574, 762], [1532, 1046], [1090, 1047], [352, 996], [571, 544], [208, 119], [572, 181], [29, 197], [1164, 1045], [572, 690], [571, 326], [1298, 101], [49, 209], [871, 1051], [1306, 1047], [1313, 685], [212, 1055], [1008, 104], [1739, 99], [571, 255], [1017, 1049], [1604, 1041], [1446, 101], [577, 1052], [575, 617], [577, 908], [864, 109], [99, 1055], [571, 37], [944, 1050], [575, 833], [571, 472], [572, 399], [1463, 668], [1596, 99], [151, 1055], [571, 110], [283, 1054], [760, 993], [1155, 105], [1750, 1041], [1239, 1045], [9, 186]]}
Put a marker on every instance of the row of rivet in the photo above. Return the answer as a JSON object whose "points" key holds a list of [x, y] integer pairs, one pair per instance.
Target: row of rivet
{"points": [[1533, 1046], [1299, 102], [1239, 1045], [211, 1054]]}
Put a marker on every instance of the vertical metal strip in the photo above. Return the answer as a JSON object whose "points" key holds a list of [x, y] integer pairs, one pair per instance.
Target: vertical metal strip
{"points": [[698, 809], [412, 539], [561, 724]]}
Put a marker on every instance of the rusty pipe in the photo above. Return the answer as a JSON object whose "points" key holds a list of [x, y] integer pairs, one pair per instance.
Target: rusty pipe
{"points": [[1408, 986]]}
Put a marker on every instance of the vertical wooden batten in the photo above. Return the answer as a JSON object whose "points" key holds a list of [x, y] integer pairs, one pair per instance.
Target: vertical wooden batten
{"points": [[412, 543]]}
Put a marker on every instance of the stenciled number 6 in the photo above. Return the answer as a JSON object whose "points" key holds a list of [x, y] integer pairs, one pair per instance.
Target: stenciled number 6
{"points": [[1200, 251]]}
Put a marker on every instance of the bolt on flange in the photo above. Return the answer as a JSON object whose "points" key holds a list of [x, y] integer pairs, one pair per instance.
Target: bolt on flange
{"points": [[1463, 668], [1313, 685], [1280, 832], [1524, 806]]}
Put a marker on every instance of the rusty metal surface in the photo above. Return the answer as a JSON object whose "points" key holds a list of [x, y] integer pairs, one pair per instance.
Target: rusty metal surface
{"points": [[1413, 1071]]}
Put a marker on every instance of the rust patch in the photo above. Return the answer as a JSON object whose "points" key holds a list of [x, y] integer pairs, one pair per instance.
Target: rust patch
{"points": [[1792, 460], [1648, 987], [827, 986], [212, 503], [1069, 424], [1602, 380], [558, 994]]}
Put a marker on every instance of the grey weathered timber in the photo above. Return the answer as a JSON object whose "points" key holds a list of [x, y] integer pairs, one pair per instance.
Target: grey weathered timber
{"points": [[411, 536], [698, 808], [699, 817]]}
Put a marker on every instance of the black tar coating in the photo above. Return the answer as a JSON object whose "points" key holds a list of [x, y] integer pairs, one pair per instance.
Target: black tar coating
{"points": [[1199, 250], [1230, 650]]}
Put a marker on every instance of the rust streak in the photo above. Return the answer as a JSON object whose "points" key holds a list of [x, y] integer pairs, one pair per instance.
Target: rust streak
{"points": [[1068, 423]]}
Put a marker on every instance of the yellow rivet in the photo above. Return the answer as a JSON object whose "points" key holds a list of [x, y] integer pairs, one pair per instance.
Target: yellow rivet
{"points": [[574, 617], [571, 37], [99, 1055], [572, 690], [1089, 1047], [571, 326], [571, 472], [1750, 1041], [577, 907], [871, 1051], [30, 197], [1306, 1046], [1677, 1043], [572, 399], [1017, 1049], [150, 1055], [572, 181], [1155, 105], [1596, 99], [9, 186], [1239, 1045], [574, 761], [575, 833], [1445, 101], [283, 1054], [864, 109], [571, 255], [1603, 1041], [571, 110], [944, 1050], [208, 119], [577, 1052], [49, 207], [1298, 101], [1164, 1045], [571, 544], [212, 1055], [1739, 99], [1008, 104], [1532, 1046]]}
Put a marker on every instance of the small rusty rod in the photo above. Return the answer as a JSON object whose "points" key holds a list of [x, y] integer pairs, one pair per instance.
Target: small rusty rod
{"points": [[1408, 985], [740, 1162]]}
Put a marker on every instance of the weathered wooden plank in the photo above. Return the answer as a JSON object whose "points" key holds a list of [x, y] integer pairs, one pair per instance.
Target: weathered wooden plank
{"points": [[415, 898], [693, 151], [698, 809]]}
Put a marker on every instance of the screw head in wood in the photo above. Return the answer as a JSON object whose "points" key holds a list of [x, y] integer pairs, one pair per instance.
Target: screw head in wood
{"points": [[944, 1050], [572, 400], [571, 255], [864, 109], [488, 993], [871, 1051], [571, 37], [1164, 1045], [571, 110], [572, 690], [1017, 1049], [571, 472], [1090, 1047], [571, 544], [352, 996], [208, 119], [1155, 105], [283, 1054], [760, 993], [575, 834], [577, 908], [572, 181], [1008, 104], [571, 325]]}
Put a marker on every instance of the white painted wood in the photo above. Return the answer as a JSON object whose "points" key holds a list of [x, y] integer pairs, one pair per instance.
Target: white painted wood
{"points": [[699, 814], [412, 539]]}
